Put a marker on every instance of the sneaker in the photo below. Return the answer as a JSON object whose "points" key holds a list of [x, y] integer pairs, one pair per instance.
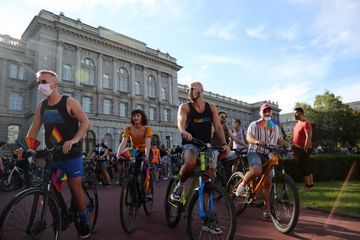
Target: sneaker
{"points": [[240, 190], [84, 230], [212, 228], [266, 215], [148, 196], [176, 194]]}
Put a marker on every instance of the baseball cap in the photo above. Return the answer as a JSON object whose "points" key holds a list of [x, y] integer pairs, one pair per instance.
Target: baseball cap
{"points": [[264, 106]]}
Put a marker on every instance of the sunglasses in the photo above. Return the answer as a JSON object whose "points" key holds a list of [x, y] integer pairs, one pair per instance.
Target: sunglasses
{"points": [[223, 117], [42, 82], [192, 89]]}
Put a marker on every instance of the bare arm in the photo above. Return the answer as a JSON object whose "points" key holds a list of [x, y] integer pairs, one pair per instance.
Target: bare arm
{"points": [[75, 110], [218, 127], [122, 146], [36, 125], [147, 148], [308, 137], [182, 116]]}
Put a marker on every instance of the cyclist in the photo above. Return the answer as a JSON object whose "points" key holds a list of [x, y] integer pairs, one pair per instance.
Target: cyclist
{"points": [[101, 154], [241, 144], [139, 134], [258, 135], [195, 119], [65, 124]]}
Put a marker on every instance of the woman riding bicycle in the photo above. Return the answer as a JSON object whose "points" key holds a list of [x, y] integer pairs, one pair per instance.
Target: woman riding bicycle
{"points": [[140, 136]]}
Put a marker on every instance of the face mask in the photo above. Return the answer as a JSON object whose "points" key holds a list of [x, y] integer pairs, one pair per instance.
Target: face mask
{"points": [[267, 118], [45, 89], [194, 94]]}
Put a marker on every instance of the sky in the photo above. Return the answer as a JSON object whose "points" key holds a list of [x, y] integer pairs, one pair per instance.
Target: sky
{"points": [[286, 51]]}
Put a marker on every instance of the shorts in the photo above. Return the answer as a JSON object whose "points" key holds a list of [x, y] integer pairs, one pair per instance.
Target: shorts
{"points": [[73, 167], [257, 159], [211, 155], [303, 161]]}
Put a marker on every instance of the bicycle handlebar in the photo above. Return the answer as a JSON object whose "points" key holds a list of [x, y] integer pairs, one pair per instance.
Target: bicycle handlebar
{"points": [[204, 145]]}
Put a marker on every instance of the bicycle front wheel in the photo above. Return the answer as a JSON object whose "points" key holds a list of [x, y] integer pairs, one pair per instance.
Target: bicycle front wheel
{"points": [[128, 206], [218, 221], [239, 202], [284, 203], [172, 210], [28, 216]]}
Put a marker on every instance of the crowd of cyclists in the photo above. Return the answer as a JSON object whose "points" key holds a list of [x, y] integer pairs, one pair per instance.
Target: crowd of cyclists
{"points": [[196, 119]]}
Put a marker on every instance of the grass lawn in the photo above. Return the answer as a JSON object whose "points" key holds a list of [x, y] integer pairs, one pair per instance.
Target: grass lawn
{"points": [[324, 194]]}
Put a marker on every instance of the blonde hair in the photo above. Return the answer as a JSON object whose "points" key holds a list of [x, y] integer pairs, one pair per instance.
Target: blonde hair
{"points": [[44, 71]]}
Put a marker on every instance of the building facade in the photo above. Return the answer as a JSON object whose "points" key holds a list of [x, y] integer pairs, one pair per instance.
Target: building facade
{"points": [[108, 73]]}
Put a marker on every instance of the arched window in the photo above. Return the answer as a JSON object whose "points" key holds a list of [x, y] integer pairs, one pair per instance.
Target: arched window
{"points": [[123, 80], [87, 75], [152, 86], [13, 133], [106, 81], [67, 73], [109, 140], [137, 88], [90, 141]]}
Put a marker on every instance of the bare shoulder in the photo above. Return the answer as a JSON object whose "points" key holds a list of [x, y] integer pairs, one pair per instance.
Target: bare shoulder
{"points": [[184, 107], [72, 100]]}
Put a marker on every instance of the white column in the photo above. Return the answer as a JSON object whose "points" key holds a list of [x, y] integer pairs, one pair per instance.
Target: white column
{"points": [[145, 88], [115, 77], [159, 86], [100, 71], [59, 57], [132, 79], [171, 89], [77, 66]]}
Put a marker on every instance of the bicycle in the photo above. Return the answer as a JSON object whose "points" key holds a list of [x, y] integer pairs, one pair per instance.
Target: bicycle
{"points": [[284, 196], [207, 215], [42, 213], [132, 194]]}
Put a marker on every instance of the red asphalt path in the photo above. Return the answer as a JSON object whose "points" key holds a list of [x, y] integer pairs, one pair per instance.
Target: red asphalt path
{"points": [[311, 224]]}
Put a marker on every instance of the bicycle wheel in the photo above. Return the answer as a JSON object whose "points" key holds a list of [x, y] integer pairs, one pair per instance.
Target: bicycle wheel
{"points": [[128, 206], [21, 218], [92, 204], [239, 202], [10, 184], [172, 210], [219, 221], [284, 203], [90, 176], [148, 203]]}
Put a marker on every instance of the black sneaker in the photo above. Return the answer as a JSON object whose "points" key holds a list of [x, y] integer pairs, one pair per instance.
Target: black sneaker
{"points": [[84, 230], [176, 194]]}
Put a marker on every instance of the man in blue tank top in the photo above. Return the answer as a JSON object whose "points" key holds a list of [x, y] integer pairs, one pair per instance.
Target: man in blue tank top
{"points": [[195, 119], [65, 124]]}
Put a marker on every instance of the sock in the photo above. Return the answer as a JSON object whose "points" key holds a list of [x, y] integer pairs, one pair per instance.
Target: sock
{"points": [[83, 216]]}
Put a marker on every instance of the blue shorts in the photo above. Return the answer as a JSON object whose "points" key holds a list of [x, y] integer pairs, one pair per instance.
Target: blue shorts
{"points": [[257, 159], [73, 167]]}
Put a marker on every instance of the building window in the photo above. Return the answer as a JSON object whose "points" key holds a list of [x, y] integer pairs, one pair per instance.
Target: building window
{"points": [[107, 106], [16, 71], [152, 114], [86, 104], [123, 109], [166, 115], [123, 80], [67, 73], [164, 94], [68, 94], [13, 133], [137, 88], [15, 101], [152, 86], [87, 75], [139, 106], [106, 81]]}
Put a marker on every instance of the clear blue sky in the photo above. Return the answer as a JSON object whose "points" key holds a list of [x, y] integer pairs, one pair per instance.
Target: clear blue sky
{"points": [[281, 50]]}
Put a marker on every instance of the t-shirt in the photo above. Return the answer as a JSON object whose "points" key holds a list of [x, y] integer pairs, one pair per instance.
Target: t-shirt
{"points": [[155, 155], [299, 133], [240, 135], [138, 140]]}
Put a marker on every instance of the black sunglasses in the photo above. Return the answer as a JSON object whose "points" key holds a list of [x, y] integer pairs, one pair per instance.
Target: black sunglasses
{"points": [[42, 82]]}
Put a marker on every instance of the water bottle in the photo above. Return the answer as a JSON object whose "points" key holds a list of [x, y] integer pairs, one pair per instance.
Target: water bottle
{"points": [[202, 161]]}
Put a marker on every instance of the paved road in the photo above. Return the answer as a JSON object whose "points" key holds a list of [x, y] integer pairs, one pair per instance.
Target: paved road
{"points": [[311, 225]]}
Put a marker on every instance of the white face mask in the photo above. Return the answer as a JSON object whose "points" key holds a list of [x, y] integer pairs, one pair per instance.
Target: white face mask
{"points": [[267, 118], [45, 89]]}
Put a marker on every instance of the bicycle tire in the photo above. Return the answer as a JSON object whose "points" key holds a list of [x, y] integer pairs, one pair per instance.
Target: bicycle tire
{"points": [[172, 219], [21, 230], [14, 183], [92, 205], [239, 202], [284, 198], [198, 228], [128, 206]]}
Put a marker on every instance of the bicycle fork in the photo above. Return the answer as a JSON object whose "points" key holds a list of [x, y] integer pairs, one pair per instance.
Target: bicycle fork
{"points": [[203, 212]]}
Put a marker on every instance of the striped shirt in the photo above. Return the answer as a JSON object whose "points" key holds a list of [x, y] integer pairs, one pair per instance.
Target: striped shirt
{"points": [[270, 135]]}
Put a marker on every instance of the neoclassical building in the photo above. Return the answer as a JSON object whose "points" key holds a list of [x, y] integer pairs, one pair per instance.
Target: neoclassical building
{"points": [[108, 73]]}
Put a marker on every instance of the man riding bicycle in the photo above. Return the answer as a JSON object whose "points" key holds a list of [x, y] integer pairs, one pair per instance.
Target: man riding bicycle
{"points": [[195, 120], [259, 134]]}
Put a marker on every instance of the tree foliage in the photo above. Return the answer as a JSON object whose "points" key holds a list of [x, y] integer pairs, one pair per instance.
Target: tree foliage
{"points": [[334, 123]]}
